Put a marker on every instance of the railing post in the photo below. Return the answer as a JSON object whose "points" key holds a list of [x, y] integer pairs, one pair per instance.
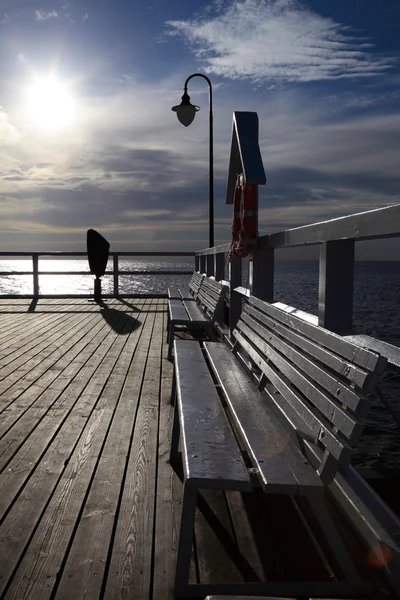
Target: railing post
{"points": [[197, 263], [210, 265], [35, 271], [336, 282], [116, 274], [219, 266], [235, 280], [261, 274], [202, 263]]}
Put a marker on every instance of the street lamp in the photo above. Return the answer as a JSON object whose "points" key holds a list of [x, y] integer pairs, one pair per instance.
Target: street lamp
{"points": [[186, 111]]}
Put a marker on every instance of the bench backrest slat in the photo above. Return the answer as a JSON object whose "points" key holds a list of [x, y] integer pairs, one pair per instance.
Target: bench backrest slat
{"points": [[340, 449], [195, 283], [356, 354], [362, 379], [321, 376], [329, 382], [211, 298]]}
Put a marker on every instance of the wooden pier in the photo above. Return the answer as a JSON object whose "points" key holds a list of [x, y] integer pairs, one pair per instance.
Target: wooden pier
{"points": [[89, 504]]}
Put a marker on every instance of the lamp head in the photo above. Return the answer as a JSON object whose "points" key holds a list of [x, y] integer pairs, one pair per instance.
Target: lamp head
{"points": [[185, 111]]}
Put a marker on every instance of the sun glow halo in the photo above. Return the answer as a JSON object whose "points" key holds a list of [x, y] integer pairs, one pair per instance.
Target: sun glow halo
{"points": [[50, 106]]}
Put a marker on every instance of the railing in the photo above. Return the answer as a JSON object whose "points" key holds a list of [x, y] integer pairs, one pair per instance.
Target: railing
{"points": [[370, 516], [115, 271], [336, 238]]}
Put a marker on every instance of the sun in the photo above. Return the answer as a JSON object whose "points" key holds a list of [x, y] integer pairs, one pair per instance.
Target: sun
{"points": [[50, 105]]}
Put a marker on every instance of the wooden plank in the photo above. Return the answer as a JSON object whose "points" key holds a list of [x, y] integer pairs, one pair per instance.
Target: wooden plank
{"points": [[211, 457], [21, 327], [289, 361], [74, 448], [39, 441], [340, 449], [33, 354], [20, 341], [390, 352], [83, 573], [65, 506], [280, 464], [177, 311], [54, 403], [314, 397], [342, 367], [28, 388], [174, 293], [195, 313], [168, 494], [129, 572], [301, 314], [360, 356]]}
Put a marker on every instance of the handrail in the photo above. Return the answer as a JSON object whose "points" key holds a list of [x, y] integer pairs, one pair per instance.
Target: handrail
{"points": [[115, 271], [336, 238]]}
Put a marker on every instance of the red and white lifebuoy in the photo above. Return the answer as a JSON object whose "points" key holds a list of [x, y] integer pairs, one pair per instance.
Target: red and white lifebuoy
{"points": [[244, 226]]}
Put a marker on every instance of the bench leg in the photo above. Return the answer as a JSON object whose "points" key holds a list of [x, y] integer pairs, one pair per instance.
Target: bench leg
{"points": [[336, 544], [171, 331], [173, 389], [185, 541], [174, 453]]}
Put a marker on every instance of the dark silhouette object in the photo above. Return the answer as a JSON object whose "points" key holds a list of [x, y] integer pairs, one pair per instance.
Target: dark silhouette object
{"points": [[120, 321], [97, 249]]}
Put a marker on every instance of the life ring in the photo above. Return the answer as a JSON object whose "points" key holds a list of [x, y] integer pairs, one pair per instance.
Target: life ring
{"points": [[244, 226]]}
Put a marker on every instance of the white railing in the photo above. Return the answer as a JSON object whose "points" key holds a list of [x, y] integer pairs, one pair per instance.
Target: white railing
{"points": [[115, 272]]}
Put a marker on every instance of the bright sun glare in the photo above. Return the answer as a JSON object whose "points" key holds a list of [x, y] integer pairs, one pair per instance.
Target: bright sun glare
{"points": [[50, 106]]}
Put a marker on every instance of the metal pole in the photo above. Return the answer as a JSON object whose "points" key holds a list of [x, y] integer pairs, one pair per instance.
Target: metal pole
{"points": [[211, 160]]}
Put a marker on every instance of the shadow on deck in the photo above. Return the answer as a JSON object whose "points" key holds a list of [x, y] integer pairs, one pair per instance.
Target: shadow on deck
{"points": [[89, 504]]}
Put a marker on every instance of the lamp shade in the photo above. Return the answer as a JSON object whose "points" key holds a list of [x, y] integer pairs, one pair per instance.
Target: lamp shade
{"points": [[185, 111]]}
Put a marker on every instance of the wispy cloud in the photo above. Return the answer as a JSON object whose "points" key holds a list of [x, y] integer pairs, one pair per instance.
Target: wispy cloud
{"points": [[42, 15], [128, 166], [278, 40]]}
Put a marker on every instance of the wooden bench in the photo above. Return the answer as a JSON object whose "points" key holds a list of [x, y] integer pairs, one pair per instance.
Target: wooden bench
{"points": [[187, 293], [304, 390], [187, 315]]}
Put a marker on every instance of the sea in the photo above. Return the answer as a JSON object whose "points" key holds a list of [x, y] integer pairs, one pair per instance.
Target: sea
{"points": [[376, 313]]}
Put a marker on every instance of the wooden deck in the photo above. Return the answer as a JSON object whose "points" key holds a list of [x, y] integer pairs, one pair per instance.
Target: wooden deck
{"points": [[89, 504]]}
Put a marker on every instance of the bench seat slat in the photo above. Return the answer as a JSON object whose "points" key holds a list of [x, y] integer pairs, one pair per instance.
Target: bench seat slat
{"points": [[177, 311], [211, 455], [305, 382], [355, 354], [174, 294], [185, 293], [362, 379], [194, 312], [281, 465], [322, 431]]}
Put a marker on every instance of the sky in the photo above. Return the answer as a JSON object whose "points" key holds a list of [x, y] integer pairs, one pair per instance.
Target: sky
{"points": [[88, 138]]}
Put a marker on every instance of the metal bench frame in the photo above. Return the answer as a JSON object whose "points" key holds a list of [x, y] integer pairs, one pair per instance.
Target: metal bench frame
{"points": [[310, 383], [198, 313]]}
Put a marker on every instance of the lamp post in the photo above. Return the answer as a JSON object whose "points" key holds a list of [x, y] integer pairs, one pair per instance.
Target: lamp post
{"points": [[186, 111]]}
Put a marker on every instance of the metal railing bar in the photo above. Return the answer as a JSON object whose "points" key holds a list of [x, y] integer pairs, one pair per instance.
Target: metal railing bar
{"points": [[67, 253]]}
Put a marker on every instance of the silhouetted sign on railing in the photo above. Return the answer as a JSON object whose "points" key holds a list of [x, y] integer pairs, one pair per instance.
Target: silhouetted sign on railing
{"points": [[97, 249]]}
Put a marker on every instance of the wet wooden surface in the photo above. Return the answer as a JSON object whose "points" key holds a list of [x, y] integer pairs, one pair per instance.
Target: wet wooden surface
{"points": [[89, 504]]}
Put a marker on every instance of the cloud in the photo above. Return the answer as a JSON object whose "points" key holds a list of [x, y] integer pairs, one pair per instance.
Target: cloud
{"points": [[278, 41], [129, 169], [42, 15]]}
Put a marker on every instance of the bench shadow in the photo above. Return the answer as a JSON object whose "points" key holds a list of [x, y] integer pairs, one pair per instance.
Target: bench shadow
{"points": [[120, 321]]}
